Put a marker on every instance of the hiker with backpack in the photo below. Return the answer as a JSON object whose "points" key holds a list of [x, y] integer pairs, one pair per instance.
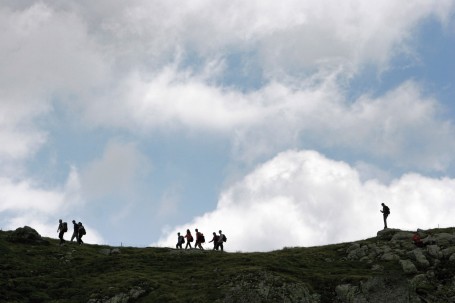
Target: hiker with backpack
{"points": [[199, 239], [62, 229], [81, 232], [385, 213], [180, 241], [75, 232], [189, 239], [215, 241], [221, 240]]}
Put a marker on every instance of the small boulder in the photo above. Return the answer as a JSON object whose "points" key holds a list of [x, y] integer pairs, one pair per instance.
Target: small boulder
{"points": [[346, 292], [408, 267], [448, 251], [354, 246], [105, 251], [444, 239], [420, 258], [387, 233], [27, 235], [357, 253], [420, 282], [390, 257], [136, 292], [377, 267], [402, 236], [434, 251]]}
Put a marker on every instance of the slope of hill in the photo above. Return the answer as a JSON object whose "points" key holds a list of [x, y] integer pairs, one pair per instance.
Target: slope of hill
{"points": [[386, 268]]}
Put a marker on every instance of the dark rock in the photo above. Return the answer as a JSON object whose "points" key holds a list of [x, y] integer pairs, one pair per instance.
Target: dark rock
{"points": [[387, 234], [267, 287], [377, 289], [26, 235], [105, 251]]}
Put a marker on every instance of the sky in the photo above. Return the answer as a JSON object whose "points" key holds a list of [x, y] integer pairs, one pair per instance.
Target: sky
{"points": [[283, 124]]}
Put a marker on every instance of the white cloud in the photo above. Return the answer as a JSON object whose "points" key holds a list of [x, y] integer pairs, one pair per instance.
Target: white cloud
{"points": [[402, 126], [286, 35], [47, 50], [43, 53], [301, 198], [25, 202], [111, 62], [23, 195]]}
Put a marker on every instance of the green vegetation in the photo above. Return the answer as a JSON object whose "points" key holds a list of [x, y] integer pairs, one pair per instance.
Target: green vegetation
{"points": [[73, 273]]}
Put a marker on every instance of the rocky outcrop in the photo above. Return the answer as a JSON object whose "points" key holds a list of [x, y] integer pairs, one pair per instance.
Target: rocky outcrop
{"points": [[425, 273], [26, 235], [124, 297], [378, 289], [266, 287]]}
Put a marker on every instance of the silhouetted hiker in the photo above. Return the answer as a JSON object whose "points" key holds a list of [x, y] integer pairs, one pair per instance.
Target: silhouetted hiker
{"points": [[81, 232], [221, 240], [199, 239], [385, 213], [75, 232], [189, 239], [215, 241], [180, 241], [62, 228]]}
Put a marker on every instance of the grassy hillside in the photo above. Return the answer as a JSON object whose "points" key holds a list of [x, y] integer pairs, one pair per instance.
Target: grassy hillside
{"points": [[31, 272]]}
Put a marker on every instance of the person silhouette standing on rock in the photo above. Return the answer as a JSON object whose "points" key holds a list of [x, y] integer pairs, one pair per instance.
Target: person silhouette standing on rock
{"points": [[385, 213]]}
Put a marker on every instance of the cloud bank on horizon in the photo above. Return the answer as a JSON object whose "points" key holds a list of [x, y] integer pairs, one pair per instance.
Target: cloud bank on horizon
{"points": [[284, 123], [301, 198]]}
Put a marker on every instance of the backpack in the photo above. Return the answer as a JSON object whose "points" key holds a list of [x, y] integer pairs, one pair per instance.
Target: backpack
{"points": [[182, 239], [190, 239], [65, 227], [224, 238], [386, 210], [82, 230], [202, 238]]}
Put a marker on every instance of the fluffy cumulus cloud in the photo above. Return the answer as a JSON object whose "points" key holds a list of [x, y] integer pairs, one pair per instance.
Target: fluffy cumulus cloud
{"points": [[287, 34], [403, 125], [137, 66], [26, 202], [43, 53], [301, 198]]}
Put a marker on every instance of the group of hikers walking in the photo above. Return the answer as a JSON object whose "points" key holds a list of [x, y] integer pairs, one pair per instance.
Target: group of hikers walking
{"points": [[78, 231], [218, 240]]}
